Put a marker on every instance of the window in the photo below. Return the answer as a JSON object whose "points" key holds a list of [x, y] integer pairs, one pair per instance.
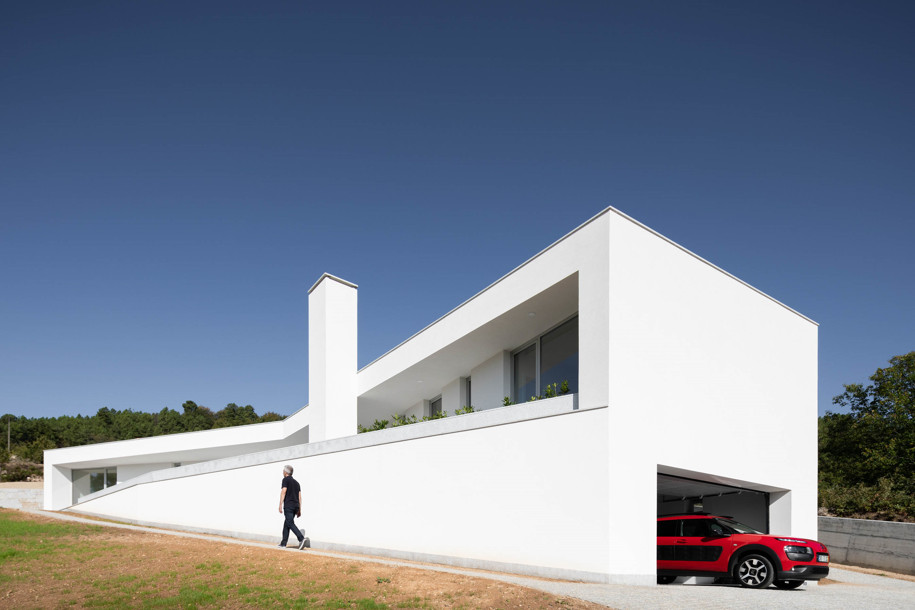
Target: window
{"points": [[524, 373], [86, 482], [696, 528], [96, 481], [559, 356], [668, 528], [435, 406], [551, 358]]}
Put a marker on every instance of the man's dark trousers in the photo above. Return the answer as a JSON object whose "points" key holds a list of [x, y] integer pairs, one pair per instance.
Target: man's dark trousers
{"points": [[289, 513]]}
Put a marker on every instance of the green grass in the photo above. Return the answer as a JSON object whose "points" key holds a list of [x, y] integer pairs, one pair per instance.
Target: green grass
{"points": [[29, 548], [22, 541], [84, 568]]}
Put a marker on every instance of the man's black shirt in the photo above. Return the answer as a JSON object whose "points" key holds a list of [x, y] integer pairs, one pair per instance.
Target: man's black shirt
{"points": [[291, 500]]}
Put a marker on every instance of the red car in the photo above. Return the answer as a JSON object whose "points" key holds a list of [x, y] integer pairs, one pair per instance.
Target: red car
{"points": [[700, 544]]}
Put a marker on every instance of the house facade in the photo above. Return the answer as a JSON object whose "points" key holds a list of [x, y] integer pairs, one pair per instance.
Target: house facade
{"points": [[663, 384]]}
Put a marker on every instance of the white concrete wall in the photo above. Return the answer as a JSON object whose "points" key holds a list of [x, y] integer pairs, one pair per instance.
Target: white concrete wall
{"points": [[332, 345], [706, 375], [451, 397], [167, 449], [491, 381], [129, 471], [529, 496], [417, 409]]}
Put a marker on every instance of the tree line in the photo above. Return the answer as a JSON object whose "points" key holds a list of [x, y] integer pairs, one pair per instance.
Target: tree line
{"points": [[29, 437], [867, 455]]}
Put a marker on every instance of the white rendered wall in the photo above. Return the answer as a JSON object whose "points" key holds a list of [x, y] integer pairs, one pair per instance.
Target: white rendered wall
{"points": [[58, 488], [129, 471], [166, 449], [531, 494], [416, 409], [451, 397], [707, 375], [491, 382], [332, 345]]}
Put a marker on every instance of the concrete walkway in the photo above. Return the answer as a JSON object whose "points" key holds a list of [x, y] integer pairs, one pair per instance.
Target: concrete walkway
{"points": [[848, 590]]}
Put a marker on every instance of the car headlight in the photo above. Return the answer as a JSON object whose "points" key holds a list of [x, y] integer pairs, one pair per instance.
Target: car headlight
{"points": [[799, 553]]}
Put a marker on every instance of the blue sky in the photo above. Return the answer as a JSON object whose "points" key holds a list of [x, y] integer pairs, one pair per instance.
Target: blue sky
{"points": [[175, 176]]}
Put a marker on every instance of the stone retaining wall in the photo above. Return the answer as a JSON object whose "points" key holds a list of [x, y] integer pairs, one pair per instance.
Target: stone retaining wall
{"points": [[884, 545], [28, 496]]}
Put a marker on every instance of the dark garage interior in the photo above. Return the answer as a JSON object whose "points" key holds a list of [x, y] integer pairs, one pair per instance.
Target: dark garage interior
{"points": [[682, 495]]}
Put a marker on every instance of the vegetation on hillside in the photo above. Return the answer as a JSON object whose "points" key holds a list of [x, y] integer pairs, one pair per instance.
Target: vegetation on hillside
{"points": [[30, 436], [867, 456]]}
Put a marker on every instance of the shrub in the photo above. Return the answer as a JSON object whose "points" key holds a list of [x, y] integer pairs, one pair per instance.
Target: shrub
{"points": [[20, 471], [881, 501]]}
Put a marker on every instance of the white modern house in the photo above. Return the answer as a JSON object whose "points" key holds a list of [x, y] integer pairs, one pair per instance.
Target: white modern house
{"points": [[688, 389]]}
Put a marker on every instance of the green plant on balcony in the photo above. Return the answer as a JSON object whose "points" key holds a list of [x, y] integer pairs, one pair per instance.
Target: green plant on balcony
{"points": [[403, 420]]}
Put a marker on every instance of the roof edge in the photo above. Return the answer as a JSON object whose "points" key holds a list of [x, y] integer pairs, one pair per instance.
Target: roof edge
{"points": [[604, 212], [328, 276], [712, 265]]}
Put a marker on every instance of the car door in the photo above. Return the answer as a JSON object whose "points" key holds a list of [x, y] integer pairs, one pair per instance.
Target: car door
{"points": [[701, 546], [668, 531]]}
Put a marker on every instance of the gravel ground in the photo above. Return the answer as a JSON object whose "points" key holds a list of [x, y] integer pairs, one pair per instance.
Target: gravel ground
{"points": [[844, 589], [847, 590]]}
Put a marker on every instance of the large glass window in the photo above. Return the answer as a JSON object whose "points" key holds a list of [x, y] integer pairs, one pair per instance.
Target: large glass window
{"points": [[86, 482], [96, 481], [559, 356], [524, 373], [551, 358]]}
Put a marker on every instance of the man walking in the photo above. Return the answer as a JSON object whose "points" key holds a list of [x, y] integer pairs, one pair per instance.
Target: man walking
{"points": [[291, 507]]}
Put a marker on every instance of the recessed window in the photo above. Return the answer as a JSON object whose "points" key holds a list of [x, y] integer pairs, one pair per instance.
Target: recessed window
{"points": [[435, 406], [86, 482], [524, 373], [550, 358], [559, 356]]}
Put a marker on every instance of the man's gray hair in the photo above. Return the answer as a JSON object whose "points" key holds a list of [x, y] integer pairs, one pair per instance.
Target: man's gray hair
{"points": [[287, 469]]}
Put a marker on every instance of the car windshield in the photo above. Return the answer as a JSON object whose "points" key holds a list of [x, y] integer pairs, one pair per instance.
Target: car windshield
{"points": [[736, 527]]}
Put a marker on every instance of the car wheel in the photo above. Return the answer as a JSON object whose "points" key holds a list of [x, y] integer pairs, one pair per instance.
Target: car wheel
{"points": [[666, 580], [788, 584], [754, 571]]}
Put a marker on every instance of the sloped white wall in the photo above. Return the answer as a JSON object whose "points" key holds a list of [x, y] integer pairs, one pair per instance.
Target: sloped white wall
{"points": [[532, 495]]}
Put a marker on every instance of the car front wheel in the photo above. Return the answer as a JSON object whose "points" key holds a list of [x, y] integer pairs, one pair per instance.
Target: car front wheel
{"points": [[755, 572], [788, 584]]}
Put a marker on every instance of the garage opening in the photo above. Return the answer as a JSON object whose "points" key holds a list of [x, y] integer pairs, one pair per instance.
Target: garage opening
{"points": [[682, 495]]}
